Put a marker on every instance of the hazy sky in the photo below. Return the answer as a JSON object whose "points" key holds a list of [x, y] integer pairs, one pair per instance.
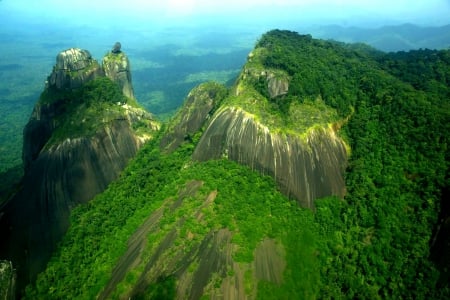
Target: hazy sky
{"points": [[350, 12]]}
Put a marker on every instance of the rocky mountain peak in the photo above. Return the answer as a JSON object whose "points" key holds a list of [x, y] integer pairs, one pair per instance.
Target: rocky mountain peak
{"points": [[83, 131], [117, 67], [73, 59], [73, 67]]}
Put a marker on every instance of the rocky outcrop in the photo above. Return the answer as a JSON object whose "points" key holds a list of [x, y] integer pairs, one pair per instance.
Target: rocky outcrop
{"points": [[305, 168], [275, 81], [42, 123], [306, 159], [73, 68], [197, 108], [61, 177], [7, 280], [64, 172], [117, 67], [200, 263], [277, 86]]}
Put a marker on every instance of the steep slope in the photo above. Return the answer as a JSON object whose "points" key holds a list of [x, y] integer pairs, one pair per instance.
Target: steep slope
{"points": [[305, 168], [7, 280], [200, 104], [117, 67], [307, 158], [80, 136], [181, 237], [278, 132], [177, 225]]}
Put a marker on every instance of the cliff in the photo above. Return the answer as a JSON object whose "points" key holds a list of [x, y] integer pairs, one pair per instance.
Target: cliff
{"points": [[73, 68], [117, 67], [258, 125], [305, 168], [296, 141], [81, 134], [7, 280], [191, 117]]}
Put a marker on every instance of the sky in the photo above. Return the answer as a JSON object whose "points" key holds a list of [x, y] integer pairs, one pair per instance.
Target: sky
{"points": [[315, 12]]}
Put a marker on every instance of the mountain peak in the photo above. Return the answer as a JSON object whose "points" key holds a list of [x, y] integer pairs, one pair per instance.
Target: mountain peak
{"points": [[73, 68], [84, 129], [117, 67]]}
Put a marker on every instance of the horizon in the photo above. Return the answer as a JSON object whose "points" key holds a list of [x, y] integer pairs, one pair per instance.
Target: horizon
{"points": [[135, 14]]}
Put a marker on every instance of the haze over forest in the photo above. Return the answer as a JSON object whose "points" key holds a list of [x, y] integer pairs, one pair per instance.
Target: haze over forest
{"points": [[176, 45], [258, 12]]}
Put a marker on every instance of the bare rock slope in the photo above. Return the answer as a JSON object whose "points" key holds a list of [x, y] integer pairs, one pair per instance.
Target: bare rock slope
{"points": [[305, 168], [63, 166]]}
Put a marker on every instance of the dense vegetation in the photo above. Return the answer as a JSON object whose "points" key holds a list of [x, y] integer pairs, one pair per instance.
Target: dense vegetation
{"points": [[373, 244], [399, 166], [81, 111], [97, 239], [164, 67]]}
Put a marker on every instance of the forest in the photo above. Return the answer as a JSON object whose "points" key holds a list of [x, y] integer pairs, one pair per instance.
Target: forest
{"points": [[380, 241]]}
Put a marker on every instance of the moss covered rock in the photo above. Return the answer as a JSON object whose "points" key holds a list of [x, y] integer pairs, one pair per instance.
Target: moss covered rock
{"points": [[117, 67]]}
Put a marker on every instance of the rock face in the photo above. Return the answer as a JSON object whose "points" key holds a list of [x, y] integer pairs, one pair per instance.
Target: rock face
{"points": [[60, 175], [7, 280], [294, 143], [38, 131], [42, 123], [193, 260], [117, 67], [277, 86], [304, 168], [276, 82], [191, 117], [59, 178], [73, 67]]}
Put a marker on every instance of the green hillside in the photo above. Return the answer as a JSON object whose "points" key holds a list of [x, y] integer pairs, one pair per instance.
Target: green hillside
{"points": [[171, 224]]}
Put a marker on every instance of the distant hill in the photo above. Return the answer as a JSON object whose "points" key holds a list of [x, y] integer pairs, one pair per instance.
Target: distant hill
{"points": [[389, 38]]}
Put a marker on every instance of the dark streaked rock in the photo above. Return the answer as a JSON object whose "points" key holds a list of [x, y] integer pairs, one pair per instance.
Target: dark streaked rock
{"points": [[61, 177], [304, 168]]}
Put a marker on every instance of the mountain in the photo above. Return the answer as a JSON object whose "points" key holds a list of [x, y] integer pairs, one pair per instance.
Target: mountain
{"points": [[306, 160], [164, 70], [403, 37], [81, 134], [322, 173]]}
